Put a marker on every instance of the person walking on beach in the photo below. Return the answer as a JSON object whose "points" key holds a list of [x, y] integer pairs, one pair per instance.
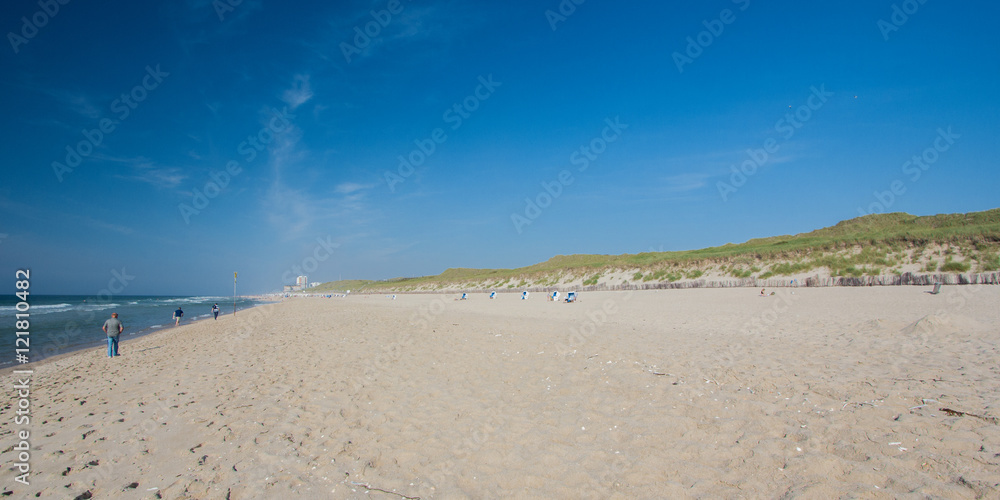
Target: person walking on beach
{"points": [[113, 327], [215, 311], [177, 316]]}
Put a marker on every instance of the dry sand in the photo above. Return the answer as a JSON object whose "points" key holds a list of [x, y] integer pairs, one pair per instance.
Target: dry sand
{"points": [[824, 393]]}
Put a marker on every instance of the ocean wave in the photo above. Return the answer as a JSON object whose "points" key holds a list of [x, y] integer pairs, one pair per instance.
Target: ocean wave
{"points": [[84, 307], [39, 309], [48, 306], [189, 300], [183, 300], [97, 307]]}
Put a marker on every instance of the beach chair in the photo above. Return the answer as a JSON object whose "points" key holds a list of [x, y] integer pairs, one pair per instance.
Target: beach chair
{"points": [[493, 295], [570, 297], [465, 296], [937, 289], [555, 296], [524, 295]]}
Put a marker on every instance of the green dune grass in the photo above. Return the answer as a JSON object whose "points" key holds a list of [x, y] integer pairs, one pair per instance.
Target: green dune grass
{"points": [[870, 245]]}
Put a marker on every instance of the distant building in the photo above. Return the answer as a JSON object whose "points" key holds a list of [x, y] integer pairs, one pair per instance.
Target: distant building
{"points": [[302, 282], [289, 288], [314, 284]]}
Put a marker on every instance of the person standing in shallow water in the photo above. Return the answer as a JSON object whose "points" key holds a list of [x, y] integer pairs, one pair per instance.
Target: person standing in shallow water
{"points": [[177, 316], [113, 327], [215, 311]]}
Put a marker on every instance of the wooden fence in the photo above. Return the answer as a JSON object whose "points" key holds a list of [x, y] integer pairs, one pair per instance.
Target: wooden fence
{"points": [[991, 278]]}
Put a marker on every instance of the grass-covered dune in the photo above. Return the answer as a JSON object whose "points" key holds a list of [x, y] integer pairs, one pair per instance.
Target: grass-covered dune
{"points": [[878, 244]]}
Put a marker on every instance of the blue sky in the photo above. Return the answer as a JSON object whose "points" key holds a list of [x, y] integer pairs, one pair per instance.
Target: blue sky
{"points": [[177, 142]]}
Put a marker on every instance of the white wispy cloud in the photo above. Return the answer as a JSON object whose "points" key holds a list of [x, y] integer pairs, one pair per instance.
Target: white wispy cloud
{"points": [[698, 170], [47, 212], [686, 182], [391, 248], [100, 225], [76, 101], [299, 93], [143, 169], [351, 187], [295, 206], [162, 177], [304, 196], [441, 23], [287, 207], [169, 177]]}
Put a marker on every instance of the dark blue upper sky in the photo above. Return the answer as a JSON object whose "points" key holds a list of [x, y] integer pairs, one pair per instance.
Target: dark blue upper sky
{"points": [[182, 141]]}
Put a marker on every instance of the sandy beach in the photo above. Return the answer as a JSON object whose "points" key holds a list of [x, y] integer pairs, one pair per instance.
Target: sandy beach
{"points": [[880, 392]]}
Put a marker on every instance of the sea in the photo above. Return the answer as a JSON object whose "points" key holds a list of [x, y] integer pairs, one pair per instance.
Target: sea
{"points": [[59, 324]]}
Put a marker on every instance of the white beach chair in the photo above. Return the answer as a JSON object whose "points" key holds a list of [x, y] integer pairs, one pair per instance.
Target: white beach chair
{"points": [[570, 297], [555, 296], [524, 295], [465, 296], [493, 295]]}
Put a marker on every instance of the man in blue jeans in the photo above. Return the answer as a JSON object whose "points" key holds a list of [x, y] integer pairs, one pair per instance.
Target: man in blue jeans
{"points": [[113, 327]]}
